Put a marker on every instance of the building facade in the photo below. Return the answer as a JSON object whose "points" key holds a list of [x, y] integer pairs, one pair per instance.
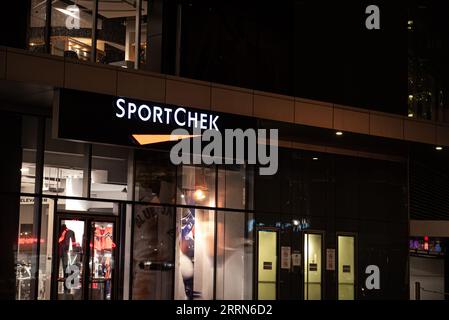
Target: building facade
{"points": [[92, 212]]}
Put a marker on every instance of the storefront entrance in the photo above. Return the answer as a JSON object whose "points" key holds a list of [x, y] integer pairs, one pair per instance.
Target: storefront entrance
{"points": [[86, 256]]}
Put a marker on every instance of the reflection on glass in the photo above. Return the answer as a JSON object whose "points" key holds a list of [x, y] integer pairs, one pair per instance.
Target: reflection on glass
{"points": [[346, 268], [153, 260], [194, 254], [312, 266], [234, 257]]}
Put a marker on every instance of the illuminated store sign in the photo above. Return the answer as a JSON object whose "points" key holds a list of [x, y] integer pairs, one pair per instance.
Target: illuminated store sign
{"points": [[125, 109], [100, 118]]}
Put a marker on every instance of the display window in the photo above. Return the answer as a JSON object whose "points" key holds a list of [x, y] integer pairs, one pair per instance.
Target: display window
{"points": [[153, 248], [234, 280], [195, 237]]}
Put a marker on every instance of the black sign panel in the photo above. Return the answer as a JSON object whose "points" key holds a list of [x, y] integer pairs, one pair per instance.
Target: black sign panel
{"points": [[93, 117], [313, 267]]}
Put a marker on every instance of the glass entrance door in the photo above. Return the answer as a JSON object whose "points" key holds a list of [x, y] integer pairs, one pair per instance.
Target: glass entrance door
{"points": [[101, 260], [85, 258], [346, 267], [312, 266], [266, 264]]}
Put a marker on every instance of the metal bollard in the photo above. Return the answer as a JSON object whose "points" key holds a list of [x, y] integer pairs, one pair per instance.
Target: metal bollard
{"points": [[417, 290]]}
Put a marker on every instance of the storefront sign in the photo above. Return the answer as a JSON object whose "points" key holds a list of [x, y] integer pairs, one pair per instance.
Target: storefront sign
{"points": [[93, 117], [285, 257], [152, 113], [330, 259]]}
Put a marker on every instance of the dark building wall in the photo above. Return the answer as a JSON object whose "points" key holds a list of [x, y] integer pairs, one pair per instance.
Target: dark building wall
{"points": [[10, 139], [14, 23], [312, 49], [341, 194]]}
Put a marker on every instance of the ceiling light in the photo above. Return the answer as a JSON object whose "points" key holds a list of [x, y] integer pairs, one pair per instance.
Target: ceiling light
{"points": [[339, 133], [439, 148], [199, 195], [410, 115], [315, 158]]}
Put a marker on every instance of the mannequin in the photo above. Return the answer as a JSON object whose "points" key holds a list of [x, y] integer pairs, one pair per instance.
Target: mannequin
{"points": [[66, 238]]}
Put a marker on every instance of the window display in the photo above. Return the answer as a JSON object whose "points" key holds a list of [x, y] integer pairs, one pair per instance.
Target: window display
{"points": [[71, 248], [153, 266], [194, 254], [102, 260], [234, 256]]}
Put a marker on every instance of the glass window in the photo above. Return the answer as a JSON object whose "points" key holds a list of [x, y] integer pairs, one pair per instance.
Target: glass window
{"points": [[234, 256], [194, 263], [235, 187], [26, 249], [346, 268], [115, 32], [151, 35], [46, 249], [89, 206], [29, 143], [155, 177], [36, 36], [196, 186], [153, 261], [71, 29], [64, 164], [109, 174]]}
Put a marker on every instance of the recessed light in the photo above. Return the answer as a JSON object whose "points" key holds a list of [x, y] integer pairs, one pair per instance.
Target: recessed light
{"points": [[315, 158], [439, 148], [339, 133]]}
